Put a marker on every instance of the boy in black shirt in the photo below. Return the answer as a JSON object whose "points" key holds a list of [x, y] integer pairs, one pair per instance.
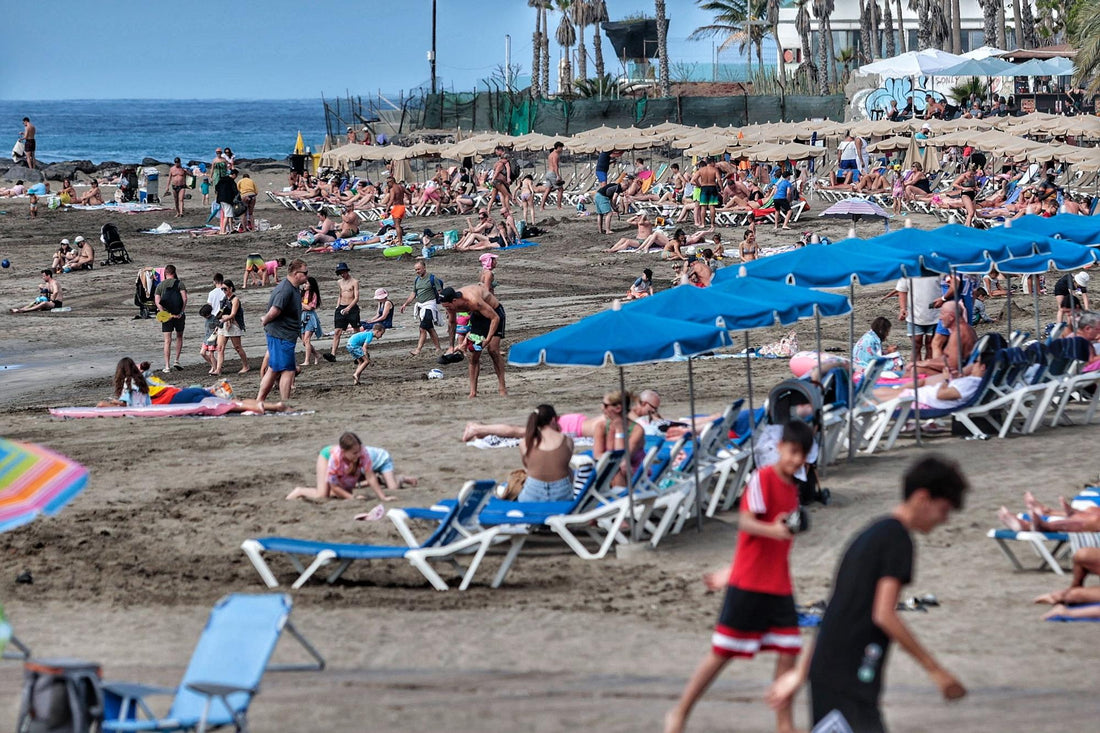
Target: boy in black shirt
{"points": [[846, 666]]}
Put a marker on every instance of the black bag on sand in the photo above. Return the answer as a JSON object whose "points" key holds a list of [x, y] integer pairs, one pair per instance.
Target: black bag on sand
{"points": [[60, 696]]}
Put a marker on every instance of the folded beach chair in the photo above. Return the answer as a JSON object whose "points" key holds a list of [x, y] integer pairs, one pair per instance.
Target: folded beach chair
{"points": [[450, 538], [223, 675], [1063, 382]]}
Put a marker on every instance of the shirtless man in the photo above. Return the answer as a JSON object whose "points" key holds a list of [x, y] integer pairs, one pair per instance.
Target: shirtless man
{"points": [[554, 180], [28, 141], [177, 182], [349, 223], [486, 328], [706, 178], [645, 229], [502, 179], [948, 362], [347, 309], [49, 296], [93, 196], [395, 202], [85, 256]]}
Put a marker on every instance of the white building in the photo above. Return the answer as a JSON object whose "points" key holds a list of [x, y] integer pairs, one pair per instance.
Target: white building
{"points": [[845, 23]]}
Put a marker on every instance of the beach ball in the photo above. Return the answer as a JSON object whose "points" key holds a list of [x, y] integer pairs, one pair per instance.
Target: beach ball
{"points": [[435, 374], [5, 264]]}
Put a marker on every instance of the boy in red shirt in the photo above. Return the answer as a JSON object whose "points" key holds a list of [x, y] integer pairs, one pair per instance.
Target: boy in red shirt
{"points": [[758, 613]]}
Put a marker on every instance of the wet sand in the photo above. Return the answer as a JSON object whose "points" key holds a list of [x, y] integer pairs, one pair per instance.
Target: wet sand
{"points": [[127, 573]]}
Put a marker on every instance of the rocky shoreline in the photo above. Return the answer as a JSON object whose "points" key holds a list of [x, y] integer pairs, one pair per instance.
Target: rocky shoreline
{"points": [[82, 171]]}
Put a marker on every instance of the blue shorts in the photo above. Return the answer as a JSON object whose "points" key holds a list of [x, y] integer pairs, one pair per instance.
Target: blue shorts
{"points": [[912, 329], [357, 352], [535, 490], [601, 176], [603, 204], [280, 354], [311, 323]]}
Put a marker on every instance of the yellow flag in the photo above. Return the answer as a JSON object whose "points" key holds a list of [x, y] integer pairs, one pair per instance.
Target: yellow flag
{"points": [[299, 147]]}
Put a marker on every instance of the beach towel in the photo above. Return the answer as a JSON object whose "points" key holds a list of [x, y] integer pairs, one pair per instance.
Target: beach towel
{"points": [[499, 441], [122, 208], [166, 228], [1072, 618]]}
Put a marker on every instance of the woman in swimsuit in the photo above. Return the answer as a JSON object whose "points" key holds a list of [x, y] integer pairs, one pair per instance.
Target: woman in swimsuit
{"points": [[748, 249], [645, 230], [967, 186], [486, 277], [609, 435], [546, 454], [917, 187], [141, 391], [527, 197], [383, 317]]}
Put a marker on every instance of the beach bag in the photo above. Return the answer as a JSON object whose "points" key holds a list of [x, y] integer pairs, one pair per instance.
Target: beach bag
{"points": [[239, 206], [450, 237], [60, 698], [510, 491]]}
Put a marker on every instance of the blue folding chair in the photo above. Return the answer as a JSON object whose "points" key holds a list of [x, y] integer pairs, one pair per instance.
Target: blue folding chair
{"points": [[224, 674]]}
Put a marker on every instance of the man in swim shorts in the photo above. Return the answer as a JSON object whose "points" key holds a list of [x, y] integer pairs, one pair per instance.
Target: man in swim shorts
{"points": [[553, 180], [347, 310], [29, 143], [49, 296], [177, 181], [706, 178], [282, 324], [395, 201], [487, 322]]}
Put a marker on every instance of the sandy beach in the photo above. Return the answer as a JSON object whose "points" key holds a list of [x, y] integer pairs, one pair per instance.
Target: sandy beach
{"points": [[126, 575]]}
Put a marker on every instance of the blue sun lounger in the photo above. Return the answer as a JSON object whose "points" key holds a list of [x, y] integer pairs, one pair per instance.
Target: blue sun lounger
{"points": [[450, 538], [224, 674]]}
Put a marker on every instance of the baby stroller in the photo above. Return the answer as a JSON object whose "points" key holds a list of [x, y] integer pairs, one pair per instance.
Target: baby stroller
{"points": [[786, 401], [128, 186], [116, 250]]}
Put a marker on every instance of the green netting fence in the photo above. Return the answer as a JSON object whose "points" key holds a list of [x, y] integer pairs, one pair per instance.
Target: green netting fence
{"points": [[519, 114]]}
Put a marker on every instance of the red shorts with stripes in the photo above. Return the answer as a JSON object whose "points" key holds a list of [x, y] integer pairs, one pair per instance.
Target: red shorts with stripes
{"points": [[751, 622]]}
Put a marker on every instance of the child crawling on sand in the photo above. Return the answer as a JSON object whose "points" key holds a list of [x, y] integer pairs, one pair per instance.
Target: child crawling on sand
{"points": [[342, 467]]}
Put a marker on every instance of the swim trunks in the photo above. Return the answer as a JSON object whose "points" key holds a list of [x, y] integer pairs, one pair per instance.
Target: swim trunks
{"points": [[708, 196], [479, 324], [398, 212], [341, 321]]}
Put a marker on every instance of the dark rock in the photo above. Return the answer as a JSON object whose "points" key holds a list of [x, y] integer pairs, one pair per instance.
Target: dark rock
{"points": [[272, 165], [108, 165], [151, 162], [23, 173], [85, 166], [60, 171]]}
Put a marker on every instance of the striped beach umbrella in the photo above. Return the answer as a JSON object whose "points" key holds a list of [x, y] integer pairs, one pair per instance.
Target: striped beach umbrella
{"points": [[35, 480]]}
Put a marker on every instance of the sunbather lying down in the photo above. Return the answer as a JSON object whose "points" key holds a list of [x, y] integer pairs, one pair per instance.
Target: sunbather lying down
{"points": [[939, 392], [1041, 518], [1086, 561]]}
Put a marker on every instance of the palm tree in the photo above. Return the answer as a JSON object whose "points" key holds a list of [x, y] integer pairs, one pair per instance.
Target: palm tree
{"points": [[1017, 23], [823, 9], [846, 58], [599, 15], [738, 21], [864, 32], [662, 46], [1084, 34], [1030, 37], [888, 29], [544, 64], [989, 15], [940, 25], [956, 27], [580, 12], [901, 28], [536, 48], [923, 9], [772, 13], [802, 25], [566, 36]]}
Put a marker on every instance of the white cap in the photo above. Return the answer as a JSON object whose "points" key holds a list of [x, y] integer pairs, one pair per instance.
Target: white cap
{"points": [[65, 241], [926, 126], [1081, 278], [79, 239]]}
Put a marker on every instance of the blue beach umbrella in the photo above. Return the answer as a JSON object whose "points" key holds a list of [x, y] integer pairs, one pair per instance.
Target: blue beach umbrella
{"points": [[838, 265], [959, 244], [1075, 228], [621, 337]]}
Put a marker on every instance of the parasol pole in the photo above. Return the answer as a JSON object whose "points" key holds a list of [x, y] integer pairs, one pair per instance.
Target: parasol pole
{"points": [[851, 369], [625, 405], [694, 448]]}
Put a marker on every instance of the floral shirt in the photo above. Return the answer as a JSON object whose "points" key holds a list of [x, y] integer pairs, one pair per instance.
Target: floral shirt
{"points": [[340, 471], [867, 349]]}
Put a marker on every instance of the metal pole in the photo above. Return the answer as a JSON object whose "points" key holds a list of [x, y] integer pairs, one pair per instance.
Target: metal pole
{"points": [[851, 370], [1008, 306], [1035, 300], [752, 410], [431, 56], [694, 449], [625, 405], [956, 283], [916, 358], [820, 380], [508, 61]]}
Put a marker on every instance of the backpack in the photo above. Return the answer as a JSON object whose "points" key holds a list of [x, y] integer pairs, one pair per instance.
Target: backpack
{"points": [[61, 697], [171, 299]]}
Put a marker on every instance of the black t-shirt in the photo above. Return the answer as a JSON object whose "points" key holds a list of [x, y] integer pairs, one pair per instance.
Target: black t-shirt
{"points": [[1066, 285], [610, 190], [225, 190], [603, 162], [850, 653]]}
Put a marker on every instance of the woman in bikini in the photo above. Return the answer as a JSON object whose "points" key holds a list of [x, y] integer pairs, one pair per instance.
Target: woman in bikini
{"points": [[546, 453], [609, 435], [527, 197], [967, 186], [748, 249], [645, 229]]}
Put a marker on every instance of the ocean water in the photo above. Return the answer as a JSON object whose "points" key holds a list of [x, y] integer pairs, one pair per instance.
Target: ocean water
{"points": [[127, 130]]}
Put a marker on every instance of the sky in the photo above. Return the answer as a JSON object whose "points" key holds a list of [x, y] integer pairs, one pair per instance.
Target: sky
{"points": [[282, 49]]}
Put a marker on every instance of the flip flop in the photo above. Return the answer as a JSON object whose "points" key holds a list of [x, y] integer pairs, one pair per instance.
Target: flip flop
{"points": [[328, 357]]}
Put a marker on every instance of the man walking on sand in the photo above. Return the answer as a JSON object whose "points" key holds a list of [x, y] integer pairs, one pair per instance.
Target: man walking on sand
{"points": [[426, 291], [347, 309], [282, 323], [554, 180], [177, 181], [486, 328], [171, 299], [848, 661], [395, 204], [29, 142]]}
